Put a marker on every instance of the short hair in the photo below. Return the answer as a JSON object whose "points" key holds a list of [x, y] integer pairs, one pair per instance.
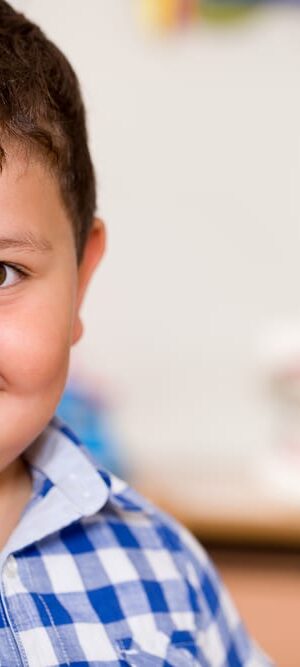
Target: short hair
{"points": [[41, 108]]}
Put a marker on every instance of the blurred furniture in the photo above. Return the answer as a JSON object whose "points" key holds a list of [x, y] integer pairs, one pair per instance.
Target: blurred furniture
{"points": [[229, 509]]}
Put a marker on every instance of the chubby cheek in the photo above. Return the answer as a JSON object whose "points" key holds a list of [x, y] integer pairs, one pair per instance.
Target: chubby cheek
{"points": [[33, 350], [35, 340]]}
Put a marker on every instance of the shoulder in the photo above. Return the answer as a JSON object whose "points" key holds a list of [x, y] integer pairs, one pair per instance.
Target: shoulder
{"points": [[175, 574], [146, 570]]}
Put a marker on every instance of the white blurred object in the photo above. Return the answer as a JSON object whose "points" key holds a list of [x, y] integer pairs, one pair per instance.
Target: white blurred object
{"points": [[280, 362], [279, 474], [279, 350]]}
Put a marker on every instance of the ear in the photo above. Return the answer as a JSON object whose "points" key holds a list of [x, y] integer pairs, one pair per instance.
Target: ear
{"points": [[93, 252]]}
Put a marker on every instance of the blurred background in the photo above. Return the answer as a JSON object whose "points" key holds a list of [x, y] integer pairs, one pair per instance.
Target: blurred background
{"points": [[187, 380]]}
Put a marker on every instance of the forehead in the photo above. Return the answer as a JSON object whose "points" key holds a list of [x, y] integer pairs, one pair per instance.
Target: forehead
{"points": [[30, 200]]}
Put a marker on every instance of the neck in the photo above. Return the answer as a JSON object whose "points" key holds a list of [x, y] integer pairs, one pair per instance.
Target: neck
{"points": [[15, 491]]}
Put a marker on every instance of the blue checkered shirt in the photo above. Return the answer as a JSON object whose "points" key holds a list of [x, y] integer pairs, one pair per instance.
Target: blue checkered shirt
{"points": [[95, 575]]}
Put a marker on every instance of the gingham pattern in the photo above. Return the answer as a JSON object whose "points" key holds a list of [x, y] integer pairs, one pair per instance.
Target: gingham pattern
{"points": [[95, 575]]}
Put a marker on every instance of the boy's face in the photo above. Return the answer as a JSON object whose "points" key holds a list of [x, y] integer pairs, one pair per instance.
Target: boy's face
{"points": [[41, 289]]}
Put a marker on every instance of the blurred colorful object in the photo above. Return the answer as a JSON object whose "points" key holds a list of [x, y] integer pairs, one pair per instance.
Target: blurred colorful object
{"points": [[176, 13], [168, 13], [89, 417]]}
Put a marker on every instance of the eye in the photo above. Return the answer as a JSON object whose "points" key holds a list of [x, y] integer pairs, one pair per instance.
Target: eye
{"points": [[9, 275]]}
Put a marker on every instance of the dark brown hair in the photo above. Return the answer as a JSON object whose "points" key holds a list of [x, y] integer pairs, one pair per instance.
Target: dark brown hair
{"points": [[41, 108]]}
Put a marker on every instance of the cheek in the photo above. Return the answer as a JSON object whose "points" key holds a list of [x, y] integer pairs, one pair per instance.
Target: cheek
{"points": [[34, 347]]}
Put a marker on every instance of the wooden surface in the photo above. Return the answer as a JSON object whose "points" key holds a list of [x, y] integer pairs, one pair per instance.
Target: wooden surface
{"points": [[266, 590]]}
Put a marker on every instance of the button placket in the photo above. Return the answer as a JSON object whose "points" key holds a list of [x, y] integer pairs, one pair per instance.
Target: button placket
{"points": [[9, 574]]}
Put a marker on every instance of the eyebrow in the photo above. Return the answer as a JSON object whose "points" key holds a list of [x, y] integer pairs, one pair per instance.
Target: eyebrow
{"points": [[25, 242]]}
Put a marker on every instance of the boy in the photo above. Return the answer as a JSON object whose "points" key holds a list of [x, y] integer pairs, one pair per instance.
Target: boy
{"points": [[91, 573]]}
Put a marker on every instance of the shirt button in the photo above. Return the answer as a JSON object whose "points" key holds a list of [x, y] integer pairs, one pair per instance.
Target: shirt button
{"points": [[11, 566]]}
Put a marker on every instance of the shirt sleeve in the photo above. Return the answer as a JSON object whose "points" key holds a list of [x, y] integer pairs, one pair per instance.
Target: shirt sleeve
{"points": [[222, 637]]}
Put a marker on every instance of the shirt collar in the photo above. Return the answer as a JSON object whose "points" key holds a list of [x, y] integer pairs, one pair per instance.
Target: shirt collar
{"points": [[76, 487], [66, 464]]}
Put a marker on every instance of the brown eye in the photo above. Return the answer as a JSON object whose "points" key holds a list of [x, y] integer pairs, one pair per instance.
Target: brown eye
{"points": [[3, 274], [9, 275]]}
